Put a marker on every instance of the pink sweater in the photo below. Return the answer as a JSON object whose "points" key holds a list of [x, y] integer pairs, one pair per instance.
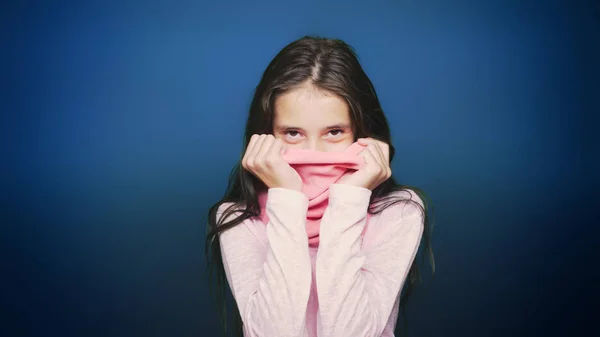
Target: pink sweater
{"points": [[347, 287]]}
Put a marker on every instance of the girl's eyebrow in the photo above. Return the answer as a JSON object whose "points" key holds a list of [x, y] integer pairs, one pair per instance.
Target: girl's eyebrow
{"points": [[286, 127], [334, 126], [338, 126]]}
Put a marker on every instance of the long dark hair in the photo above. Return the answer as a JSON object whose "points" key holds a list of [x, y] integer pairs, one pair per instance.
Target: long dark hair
{"points": [[328, 64]]}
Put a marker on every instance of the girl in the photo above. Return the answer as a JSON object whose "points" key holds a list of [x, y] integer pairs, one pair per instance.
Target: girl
{"points": [[314, 236]]}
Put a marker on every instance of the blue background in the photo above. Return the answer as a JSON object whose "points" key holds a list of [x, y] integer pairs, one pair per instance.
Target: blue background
{"points": [[121, 123]]}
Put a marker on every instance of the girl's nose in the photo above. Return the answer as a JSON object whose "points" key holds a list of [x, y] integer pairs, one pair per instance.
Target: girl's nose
{"points": [[315, 146]]}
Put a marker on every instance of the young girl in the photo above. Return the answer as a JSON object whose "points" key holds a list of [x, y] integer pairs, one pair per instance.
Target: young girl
{"points": [[314, 236]]}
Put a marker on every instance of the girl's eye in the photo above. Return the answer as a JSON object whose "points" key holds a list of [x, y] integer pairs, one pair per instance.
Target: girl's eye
{"points": [[336, 132], [293, 133]]}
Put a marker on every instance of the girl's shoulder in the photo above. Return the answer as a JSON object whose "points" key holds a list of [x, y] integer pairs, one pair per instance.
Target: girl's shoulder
{"points": [[408, 194], [406, 199], [401, 206], [229, 209], [398, 214], [251, 227]]}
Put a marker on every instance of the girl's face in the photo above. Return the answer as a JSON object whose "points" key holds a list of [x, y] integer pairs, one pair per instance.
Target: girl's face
{"points": [[313, 119]]}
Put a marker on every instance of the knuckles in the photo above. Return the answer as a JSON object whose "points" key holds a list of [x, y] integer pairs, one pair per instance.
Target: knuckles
{"points": [[270, 161], [257, 163], [250, 164], [375, 170]]}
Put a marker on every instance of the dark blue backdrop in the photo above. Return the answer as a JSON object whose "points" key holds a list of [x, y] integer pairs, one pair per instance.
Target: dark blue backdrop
{"points": [[123, 121]]}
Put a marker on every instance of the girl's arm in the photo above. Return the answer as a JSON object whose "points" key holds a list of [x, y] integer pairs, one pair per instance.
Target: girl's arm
{"points": [[268, 268], [357, 288]]}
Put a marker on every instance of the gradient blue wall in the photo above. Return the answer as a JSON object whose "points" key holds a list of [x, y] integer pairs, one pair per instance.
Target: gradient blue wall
{"points": [[123, 121]]}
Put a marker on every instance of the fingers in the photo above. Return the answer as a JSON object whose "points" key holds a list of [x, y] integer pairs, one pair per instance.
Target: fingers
{"points": [[262, 152], [384, 155], [373, 161], [377, 153], [248, 151], [370, 160], [262, 158], [365, 141], [380, 153], [385, 150], [273, 155], [252, 152], [383, 147]]}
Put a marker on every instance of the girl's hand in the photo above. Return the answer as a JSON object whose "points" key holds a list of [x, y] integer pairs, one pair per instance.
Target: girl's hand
{"points": [[377, 165], [263, 158]]}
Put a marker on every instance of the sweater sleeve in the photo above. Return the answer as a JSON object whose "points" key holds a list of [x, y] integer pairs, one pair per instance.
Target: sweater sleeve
{"points": [[271, 283], [358, 288]]}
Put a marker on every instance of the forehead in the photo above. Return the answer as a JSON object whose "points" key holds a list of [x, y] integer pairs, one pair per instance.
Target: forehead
{"points": [[310, 107]]}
